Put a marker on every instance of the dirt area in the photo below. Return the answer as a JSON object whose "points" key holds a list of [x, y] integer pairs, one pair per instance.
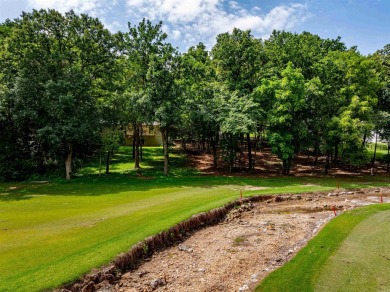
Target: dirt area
{"points": [[252, 241], [268, 164]]}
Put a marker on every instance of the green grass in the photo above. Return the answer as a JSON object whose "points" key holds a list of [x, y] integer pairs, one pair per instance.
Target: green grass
{"points": [[362, 263], [381, 150], [151, 163], [52, 233], [330, 261]]}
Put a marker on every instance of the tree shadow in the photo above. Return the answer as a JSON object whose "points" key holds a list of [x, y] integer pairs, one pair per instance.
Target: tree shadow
{"points": [[151, 177]]}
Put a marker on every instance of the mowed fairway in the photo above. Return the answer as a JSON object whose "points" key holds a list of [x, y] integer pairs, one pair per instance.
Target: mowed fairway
{"points": [[52, 233], [51, 236], [350, 254]]}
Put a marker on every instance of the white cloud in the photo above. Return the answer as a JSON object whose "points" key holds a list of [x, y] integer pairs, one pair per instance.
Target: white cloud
{"points": [[92, 7], [187, 22], [202, 20], [173, 11], [176, 34], [234, 5], [113, 26]]}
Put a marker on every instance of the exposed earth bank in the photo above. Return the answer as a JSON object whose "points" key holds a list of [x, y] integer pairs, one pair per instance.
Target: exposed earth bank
{"points": [[239, 252]]}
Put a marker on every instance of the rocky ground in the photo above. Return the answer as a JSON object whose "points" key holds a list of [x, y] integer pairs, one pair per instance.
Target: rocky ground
{"points": [[252, 241]]}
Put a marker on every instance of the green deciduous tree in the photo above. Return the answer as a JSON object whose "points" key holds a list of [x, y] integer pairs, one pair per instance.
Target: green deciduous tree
{"points": [[350, 84], [287, 127], [62, 61], [239, 58], [200, 103], [302, 50], [143, 45], [238, 116], [164, 94]]}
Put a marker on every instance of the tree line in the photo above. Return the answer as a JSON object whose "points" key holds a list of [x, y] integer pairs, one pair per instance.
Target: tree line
{"points": [[68, 87]]}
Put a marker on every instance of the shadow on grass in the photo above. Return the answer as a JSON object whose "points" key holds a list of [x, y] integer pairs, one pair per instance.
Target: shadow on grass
{"points": [[123, 178], [152, 163], [113, 184]]}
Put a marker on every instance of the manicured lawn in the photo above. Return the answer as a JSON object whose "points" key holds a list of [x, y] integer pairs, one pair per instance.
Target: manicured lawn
{"points": [[362, 263], [52, 233], [350, 254]]}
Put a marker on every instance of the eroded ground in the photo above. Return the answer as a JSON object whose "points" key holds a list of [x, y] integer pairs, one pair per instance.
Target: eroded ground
{"points": [[239, 252]]}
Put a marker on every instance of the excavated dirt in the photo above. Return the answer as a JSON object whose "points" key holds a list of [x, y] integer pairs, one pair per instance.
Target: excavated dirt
{"points": [[252, 241]]}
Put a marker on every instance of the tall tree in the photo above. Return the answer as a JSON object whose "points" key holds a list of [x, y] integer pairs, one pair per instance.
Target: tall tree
{"points": [[13, 156], [287, 128], [63, 59], [142, 45], [239, 58], [238, 116], [200, 110], [350, 83], [302, 50], [164, 93], [383, 57]]}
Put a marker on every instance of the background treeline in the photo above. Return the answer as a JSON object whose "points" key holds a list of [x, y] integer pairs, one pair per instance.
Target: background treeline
{"points": [[68, 87]]}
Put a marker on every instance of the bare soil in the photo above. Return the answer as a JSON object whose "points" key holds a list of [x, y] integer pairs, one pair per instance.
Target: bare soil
{"points": [[252, 241], [268, 164]]}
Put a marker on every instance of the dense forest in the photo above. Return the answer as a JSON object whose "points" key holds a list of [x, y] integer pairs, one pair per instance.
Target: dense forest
{"points": [[68, 87]]}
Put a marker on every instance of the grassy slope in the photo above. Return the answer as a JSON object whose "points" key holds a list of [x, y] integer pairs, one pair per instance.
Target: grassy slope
{"points": [[363, 261], [305, 272], [52, 233]]}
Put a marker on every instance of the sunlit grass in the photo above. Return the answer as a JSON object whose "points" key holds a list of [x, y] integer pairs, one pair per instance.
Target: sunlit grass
{"points": [[151, 163], [52, 233], [381, 150], [362, 261]]}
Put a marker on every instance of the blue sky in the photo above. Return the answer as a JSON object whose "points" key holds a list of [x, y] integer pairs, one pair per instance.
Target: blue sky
{"points": [[364, 23]]}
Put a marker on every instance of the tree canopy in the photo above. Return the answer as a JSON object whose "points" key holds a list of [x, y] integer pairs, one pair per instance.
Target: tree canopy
{"points": [[68, 87]]}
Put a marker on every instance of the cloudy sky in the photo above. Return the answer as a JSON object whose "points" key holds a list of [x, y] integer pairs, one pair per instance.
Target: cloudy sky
{"points": [[364, 23]]}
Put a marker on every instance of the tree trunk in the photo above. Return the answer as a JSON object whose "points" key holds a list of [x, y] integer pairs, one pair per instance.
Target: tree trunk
{"points": [[248, 139], [133, 145], [136, 146], [260, 141], [327, 162], [164, 133], [41, 160], [68, 162], [364, 138], [215, 150], [287, 165], [284, 162], [388, 156], [374, 156], [142, 142], [203, 142], [183, 144], [257, 139], [336, 153], [108, 162], [316, 152]]}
